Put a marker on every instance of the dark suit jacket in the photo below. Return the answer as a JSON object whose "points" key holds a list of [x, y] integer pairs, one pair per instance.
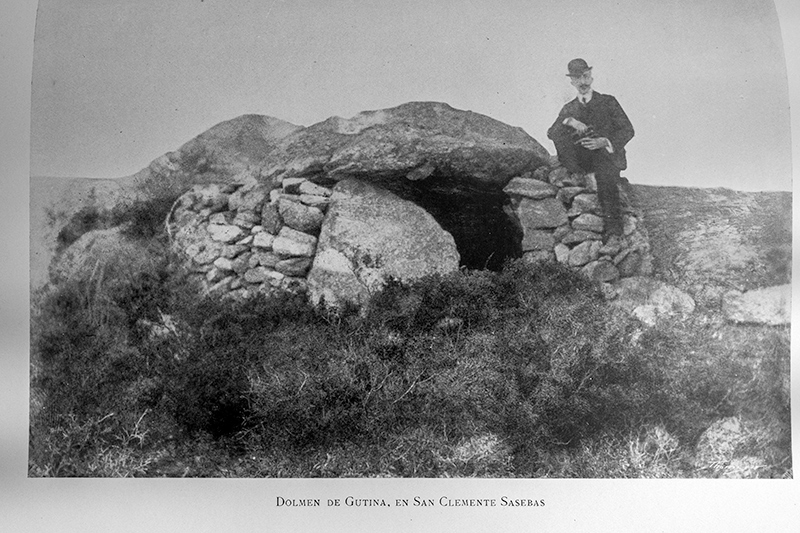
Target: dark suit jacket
{"points": [[605, 115]]}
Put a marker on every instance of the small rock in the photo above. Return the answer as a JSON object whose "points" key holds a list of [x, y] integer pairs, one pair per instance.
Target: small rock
{"points": [[257, 275], [248, 198], [225, 233], [538, 256], [583, 253], [602, 271], [241, 264], [629, 224], [209, 254], [299, 216], [541, 173], [292, 185], [232, 250], [309, 188], [561, 231], [629, 265], [580, 235], [267, 259], [541, 214], [222, 286], [293, 243], [561, 177], [271, 219], [223, 263], [214, 275], [218, 218], [320, 202], [246, 219], [584, 203], [588, 221], [562, 253], [263, 240], [192, 250], [566, 194], [295, 266], [530, 188], [537, 240]]}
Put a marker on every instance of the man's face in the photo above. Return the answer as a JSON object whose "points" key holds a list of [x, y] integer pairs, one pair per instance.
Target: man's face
{"points": [[583, 82]]}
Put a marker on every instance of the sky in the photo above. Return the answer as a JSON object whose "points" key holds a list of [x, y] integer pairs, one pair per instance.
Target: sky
{"points": [[118, 83]]}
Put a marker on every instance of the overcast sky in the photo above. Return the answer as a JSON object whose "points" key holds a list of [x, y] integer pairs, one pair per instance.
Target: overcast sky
{"points": [[118, 83]]}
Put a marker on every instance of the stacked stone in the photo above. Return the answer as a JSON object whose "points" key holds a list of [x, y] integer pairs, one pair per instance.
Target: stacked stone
{"points": [[242, 239], [561, 220]]}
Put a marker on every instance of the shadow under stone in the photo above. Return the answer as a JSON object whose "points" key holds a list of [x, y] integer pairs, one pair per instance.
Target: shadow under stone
{"points": [[484, 234]]}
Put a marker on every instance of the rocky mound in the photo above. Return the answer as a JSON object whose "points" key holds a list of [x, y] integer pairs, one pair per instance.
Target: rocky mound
{"points": [[459, 177], [244, 239]]}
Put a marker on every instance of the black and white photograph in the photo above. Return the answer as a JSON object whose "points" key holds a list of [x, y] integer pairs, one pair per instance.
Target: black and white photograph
{"points": [[474, 260]]}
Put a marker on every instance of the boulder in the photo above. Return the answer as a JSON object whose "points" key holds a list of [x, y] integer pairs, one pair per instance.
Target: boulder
{"points": [[770, 306], [369, 236], [413, 141]]}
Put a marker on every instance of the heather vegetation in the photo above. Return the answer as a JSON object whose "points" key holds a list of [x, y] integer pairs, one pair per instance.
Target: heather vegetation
{"points": [[527, 371]]}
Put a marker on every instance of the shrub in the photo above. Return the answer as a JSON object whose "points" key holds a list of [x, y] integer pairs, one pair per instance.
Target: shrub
{"points": [[88, 218], [475, 373], [144, 219]]}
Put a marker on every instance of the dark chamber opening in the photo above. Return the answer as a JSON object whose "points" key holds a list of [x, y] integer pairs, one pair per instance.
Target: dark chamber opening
{"points": [[484, 234]]}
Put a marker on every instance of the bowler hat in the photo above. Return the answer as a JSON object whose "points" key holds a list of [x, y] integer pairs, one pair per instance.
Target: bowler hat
{"points": [[577, 67]]}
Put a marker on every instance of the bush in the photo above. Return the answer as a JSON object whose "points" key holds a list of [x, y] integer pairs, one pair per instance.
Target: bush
{"points": [[88, 218], [474, 373]]}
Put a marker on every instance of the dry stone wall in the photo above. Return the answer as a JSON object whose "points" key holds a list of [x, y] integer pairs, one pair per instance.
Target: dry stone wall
{"points": [[560, 218], [241, 239]]}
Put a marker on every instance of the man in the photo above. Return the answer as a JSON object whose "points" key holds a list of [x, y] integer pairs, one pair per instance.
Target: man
{"points": [[590, 135]]}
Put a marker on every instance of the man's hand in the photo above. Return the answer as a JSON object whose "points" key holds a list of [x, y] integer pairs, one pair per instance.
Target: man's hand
{"points": [[577, 125], [594, 143]]}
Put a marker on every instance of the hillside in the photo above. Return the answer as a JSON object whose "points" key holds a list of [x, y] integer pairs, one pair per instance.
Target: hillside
{"points": [[707, 241]]}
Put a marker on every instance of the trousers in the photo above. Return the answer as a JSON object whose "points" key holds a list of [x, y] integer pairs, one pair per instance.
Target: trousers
{"points": [[578, 159]]}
